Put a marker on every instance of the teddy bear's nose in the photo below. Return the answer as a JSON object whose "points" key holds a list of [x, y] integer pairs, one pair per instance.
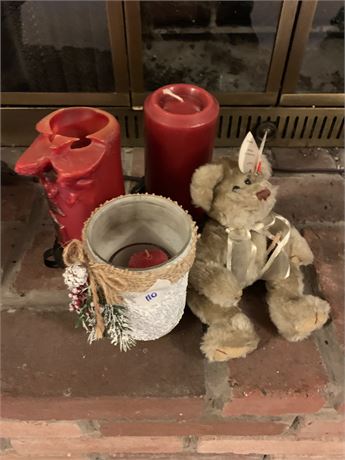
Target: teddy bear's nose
{"points": [[263, 194]]}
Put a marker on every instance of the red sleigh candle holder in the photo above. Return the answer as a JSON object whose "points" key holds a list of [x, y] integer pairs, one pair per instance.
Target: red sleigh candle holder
{"points": [[77, 157]]}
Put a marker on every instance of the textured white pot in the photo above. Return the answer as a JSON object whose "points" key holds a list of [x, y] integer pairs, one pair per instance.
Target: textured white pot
{"points": [[130, 219]]}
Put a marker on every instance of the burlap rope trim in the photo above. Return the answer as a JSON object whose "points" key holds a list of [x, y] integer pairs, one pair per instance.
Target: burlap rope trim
{"points": [[113, 281]]}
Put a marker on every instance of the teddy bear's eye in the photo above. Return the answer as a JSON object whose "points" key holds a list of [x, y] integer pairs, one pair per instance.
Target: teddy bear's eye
{"points": [[235, 188], [248, 181]]}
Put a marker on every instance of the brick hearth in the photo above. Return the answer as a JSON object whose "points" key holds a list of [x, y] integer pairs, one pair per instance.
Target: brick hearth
{"points": [[62, 398]]}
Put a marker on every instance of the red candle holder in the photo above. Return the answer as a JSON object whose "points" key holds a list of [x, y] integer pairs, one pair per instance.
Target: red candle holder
{"points": [[77, 157], [180, 129]]}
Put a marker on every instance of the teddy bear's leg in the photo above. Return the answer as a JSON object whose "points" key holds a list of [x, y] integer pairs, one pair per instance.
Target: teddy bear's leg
{"points": [[230, 334], [296, 315]]}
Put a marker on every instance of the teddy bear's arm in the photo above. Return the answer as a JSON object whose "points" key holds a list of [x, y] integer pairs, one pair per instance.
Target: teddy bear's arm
{"points": [[212, 244], [298, 249], [216, 283]]}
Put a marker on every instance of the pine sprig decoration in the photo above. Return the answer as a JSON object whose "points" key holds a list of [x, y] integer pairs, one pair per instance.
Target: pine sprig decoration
{"points": [[116, 322], [117, 326]]}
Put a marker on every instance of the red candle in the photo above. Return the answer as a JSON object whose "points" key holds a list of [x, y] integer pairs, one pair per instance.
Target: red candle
{"points": [[180, 128], [139, 255], [77, 157], [147, 258]]}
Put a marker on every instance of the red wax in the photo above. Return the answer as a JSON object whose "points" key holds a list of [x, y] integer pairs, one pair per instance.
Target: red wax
{"points": [[188, 106], [147, 258], [180, 136], [77, 157]]}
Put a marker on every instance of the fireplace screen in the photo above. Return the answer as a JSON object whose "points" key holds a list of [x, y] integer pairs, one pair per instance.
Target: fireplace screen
{"points": [[56, 46], [222, 46], [322, 68], [276, 61]]}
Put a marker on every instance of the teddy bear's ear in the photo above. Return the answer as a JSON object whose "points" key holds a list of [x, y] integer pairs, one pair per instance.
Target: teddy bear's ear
{"points": [[266, 169], [204, 180]]}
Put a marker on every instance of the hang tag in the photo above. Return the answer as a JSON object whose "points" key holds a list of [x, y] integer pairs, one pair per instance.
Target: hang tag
{"points": [[249, 155], [261, 149]]}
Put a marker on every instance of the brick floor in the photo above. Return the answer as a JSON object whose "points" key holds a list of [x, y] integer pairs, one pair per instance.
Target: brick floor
{"points": [[288, 446], [280, 377], [232, 428], [327, 243], [161, 397], [310, 197], [302, 158], [102, 408], [32, 263], [11, 237], [68, 366], [18, 198]]}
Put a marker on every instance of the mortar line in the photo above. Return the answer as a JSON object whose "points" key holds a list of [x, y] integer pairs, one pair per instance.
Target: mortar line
{"points": [[331, 355], [218, 391]]}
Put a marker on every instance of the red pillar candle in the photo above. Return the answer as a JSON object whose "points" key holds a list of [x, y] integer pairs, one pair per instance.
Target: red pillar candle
{"points": [[180, 128], [77, 157]]}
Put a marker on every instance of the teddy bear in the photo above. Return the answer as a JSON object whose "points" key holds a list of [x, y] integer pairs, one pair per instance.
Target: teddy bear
{"points": [[244, 241]]}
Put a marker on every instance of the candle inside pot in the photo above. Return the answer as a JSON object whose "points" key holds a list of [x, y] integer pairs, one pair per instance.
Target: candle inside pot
{"points": [[139, 256], [147, 258]]}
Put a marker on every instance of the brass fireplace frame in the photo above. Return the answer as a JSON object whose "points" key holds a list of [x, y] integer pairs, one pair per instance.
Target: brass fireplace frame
{"points": [[311, 119], [289, 96]]}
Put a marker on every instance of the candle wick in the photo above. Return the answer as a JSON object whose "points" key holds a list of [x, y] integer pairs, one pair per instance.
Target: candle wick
{"points": [[168, 92], [148, 255]]}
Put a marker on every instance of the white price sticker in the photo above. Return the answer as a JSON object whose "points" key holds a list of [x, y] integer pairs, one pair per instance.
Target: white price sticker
{"points": [[151, 296]]}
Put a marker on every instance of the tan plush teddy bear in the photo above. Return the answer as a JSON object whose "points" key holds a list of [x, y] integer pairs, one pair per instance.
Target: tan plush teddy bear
{"points": [[244, 241]]}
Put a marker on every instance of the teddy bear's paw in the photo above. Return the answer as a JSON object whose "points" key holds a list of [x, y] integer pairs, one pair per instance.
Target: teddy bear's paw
{"points": [[228, 340], [222, 292], [225, 353], [310, 314], [318, 310], [205, 310]]}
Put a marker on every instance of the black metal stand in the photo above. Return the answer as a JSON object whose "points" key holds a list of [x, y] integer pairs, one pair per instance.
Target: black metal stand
{"points": [[266, 126], [139, 187], [53, 257]]}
